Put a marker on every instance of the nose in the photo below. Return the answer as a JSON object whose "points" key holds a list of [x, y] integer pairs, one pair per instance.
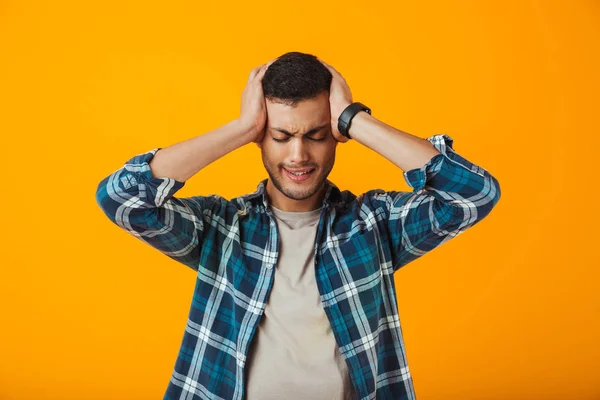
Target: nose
{"points": [[299, 151]]}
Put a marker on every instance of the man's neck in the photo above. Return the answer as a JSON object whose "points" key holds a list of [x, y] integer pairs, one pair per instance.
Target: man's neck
{"points": [[284, 203]]}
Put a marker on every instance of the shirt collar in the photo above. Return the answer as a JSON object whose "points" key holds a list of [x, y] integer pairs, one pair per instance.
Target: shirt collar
{"points": [[333, 195]]}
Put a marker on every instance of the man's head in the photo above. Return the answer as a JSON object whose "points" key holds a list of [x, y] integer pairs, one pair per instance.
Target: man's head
{"points": [[298, 130]]}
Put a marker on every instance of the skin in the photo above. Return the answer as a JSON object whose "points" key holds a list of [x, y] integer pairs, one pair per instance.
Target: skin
{"points": [[310, 142], [298, 151]]}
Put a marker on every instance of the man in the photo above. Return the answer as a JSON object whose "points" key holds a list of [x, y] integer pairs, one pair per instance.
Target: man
{"points": [[295, 294]]}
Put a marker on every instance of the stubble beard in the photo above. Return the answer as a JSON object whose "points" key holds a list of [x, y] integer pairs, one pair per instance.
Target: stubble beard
{"points": [[275, 175]]}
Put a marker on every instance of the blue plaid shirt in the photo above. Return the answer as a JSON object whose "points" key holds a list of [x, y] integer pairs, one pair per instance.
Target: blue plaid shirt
{"points": [[232, 246]]}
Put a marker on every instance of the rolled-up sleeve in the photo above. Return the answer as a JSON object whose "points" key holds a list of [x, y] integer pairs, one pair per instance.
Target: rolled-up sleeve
{"points": [[145, 206], [450, 194]]}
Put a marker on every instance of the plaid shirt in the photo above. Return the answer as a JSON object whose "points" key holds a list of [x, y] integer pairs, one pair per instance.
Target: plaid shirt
{"points": [[232, 245]]}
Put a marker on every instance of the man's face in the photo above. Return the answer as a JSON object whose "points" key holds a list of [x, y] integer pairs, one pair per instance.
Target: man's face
{"points": [[308, 145]]}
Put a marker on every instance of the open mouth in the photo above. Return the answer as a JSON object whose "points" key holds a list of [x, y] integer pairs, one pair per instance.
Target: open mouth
{"points": [[299, 176]]}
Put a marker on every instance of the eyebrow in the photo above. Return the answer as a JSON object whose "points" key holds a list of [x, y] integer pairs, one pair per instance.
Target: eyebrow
{"points": [[309, 133]]}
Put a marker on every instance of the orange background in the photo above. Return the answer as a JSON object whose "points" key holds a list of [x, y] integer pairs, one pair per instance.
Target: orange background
{"points": [[508, 310]]}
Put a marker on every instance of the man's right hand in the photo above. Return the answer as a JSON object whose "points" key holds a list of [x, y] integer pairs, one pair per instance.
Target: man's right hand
{"points": [[253, 113]]}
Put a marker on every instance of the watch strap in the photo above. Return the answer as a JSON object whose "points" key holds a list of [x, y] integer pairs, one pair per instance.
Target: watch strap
{"points": [[345, 118]]}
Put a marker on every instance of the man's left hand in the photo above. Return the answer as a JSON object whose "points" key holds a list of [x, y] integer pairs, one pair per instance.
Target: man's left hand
{"points": [[340, 97]]}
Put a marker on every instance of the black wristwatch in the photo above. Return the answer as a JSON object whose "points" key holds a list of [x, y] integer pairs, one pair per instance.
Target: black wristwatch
{"points": [[346, 117]]}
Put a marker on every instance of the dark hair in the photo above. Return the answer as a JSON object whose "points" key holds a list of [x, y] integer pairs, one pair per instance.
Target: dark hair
{"points": [[295, 76]]}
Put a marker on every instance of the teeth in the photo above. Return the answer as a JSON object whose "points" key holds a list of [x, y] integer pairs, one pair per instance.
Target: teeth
{"points": [[298, 173]]}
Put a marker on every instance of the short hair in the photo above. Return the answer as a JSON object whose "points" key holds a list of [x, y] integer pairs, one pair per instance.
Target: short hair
{"points": [[295, 76]]}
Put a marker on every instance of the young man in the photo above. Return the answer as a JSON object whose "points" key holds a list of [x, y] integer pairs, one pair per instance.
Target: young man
{"points": [[295, 294]]}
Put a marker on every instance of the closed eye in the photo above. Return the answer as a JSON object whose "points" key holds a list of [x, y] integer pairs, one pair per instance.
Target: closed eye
{"points": [[314, 140]]}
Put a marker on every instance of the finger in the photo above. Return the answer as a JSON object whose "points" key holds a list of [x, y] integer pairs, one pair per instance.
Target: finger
{"points": [[329, 67], [263, 69], [261, 72], [334, 72], [253, 73]]}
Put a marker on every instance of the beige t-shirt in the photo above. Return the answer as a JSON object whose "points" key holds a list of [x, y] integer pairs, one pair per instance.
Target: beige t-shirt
{"points": [[293, 354]]}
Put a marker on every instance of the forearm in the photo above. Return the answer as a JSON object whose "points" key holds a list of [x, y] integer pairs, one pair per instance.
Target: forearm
{"points": [[404, 150], [183, 160]]}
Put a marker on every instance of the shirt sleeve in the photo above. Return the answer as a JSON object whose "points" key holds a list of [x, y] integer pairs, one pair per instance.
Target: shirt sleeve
{"points": [[450, 194], [145, 206]]}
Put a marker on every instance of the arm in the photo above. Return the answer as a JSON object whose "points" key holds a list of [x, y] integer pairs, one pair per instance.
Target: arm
{"points": [[183, 160], [141, 200], [139, 197], [450, 194]]}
